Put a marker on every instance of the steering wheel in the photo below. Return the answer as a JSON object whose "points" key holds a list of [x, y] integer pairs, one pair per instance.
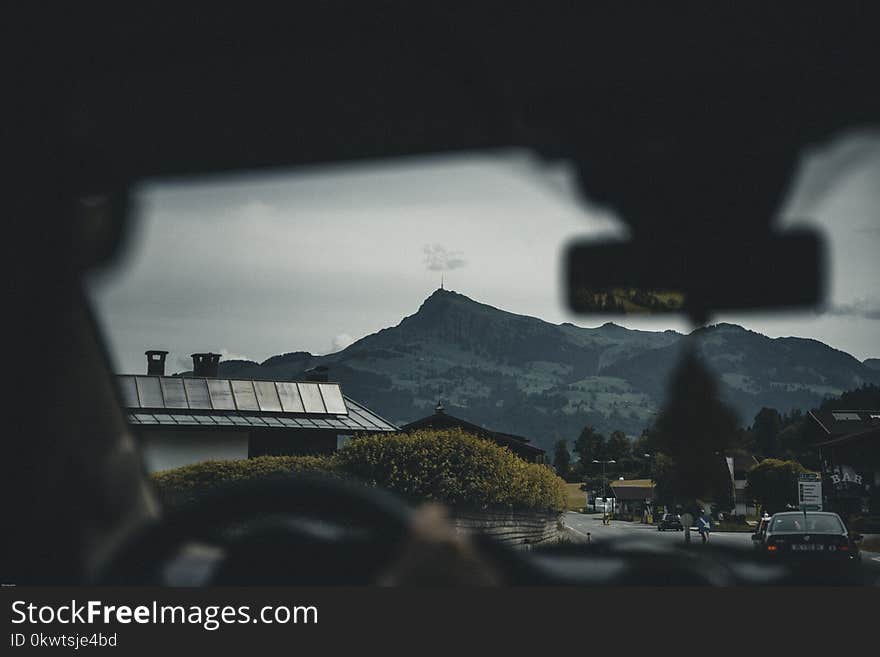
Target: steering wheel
{"points": [[291, 530]]}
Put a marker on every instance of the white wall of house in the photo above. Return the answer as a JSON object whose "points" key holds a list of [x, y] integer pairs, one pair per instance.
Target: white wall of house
{"points": [[171, 449], [743, 506]]}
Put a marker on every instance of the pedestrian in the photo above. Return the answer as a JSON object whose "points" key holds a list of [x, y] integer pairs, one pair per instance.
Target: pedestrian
{"points": [[705, 525], [686, 520]]}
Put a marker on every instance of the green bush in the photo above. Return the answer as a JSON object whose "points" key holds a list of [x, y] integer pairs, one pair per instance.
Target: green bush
{"points": [[449, 466], [453, 467], [189, 483]]}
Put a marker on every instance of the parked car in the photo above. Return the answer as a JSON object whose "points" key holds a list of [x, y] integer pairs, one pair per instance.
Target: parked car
{"points": [[670, 521]]}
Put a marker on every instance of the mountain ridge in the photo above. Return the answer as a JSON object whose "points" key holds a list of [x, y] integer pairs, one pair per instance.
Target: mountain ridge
{"points": [[546, 381]]}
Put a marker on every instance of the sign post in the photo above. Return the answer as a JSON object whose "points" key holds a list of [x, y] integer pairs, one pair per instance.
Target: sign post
{"points": [[809, 492]]}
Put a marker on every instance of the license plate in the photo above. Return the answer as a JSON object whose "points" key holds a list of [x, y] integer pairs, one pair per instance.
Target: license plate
{"points": [[807, 547]]}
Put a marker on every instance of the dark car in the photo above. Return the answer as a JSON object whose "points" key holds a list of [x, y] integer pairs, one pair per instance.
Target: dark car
{"points": [[670, 521], [812, 537]]}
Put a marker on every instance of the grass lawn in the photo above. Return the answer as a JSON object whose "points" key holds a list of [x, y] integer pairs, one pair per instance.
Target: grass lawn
{"points": [[732, 527], [871, 543], [576, 497]]}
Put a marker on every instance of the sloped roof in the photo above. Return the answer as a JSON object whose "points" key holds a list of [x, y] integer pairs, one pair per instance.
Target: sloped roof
{"points": [[836, 423], [742, 463], [212, 403], [441, 419], [867, 434], [633, 489]]}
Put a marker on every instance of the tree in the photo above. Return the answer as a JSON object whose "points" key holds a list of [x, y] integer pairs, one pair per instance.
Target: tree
{"points": [[693, 432], [590, 445], [773, 483], [618, 447], [561, 458], [766, 428]]}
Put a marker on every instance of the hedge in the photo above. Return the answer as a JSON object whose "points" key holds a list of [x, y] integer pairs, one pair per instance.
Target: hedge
{"points": [[448, 466], [189, 483]]}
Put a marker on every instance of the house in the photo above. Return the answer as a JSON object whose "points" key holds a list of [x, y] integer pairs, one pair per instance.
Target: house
{"points": [[188, 419], [849, 455], [443, 420], [738, 465], [633, 496]]}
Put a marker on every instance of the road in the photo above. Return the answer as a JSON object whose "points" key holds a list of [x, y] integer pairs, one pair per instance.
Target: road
{"points": [[630, 532], [636, 536]]}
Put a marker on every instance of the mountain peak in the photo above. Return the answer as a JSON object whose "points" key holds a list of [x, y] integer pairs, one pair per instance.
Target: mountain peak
{"points": [[442, 293], [441, 299]]}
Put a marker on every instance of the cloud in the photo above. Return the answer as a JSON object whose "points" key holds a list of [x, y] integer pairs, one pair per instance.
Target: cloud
{"points": [[228, 355], [438, 258], [866, 308], [340, 342]]}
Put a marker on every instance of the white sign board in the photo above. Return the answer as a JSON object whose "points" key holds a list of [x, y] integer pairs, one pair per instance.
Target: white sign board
{"points": [[809, 492]]}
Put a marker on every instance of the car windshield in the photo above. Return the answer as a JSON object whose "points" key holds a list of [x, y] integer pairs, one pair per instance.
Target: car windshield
{"points": [[403, 323], [814, 524]]}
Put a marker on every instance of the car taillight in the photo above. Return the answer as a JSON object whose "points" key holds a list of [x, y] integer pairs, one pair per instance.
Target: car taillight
{"points": [[772, 548], [843, 548]]}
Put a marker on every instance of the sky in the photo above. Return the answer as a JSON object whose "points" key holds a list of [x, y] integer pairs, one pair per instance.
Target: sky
{"points": [[313, 259]]}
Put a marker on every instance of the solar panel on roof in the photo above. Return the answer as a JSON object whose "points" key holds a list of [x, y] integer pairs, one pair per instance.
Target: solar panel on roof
{"points": [[149, 392], [245, 397], [145, 418], [288, 422], [162, 418], [289, 395], [197, 393], [311, 397], [204, 419], [132, 419], [221, 419], [172, 391], [846, 416], [267, 396], [332, 398], [221, 395], [237, 419], [128, 389], [255, 421], [272, 421]]}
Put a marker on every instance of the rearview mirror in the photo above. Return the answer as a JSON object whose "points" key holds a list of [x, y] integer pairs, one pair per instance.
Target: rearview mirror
{"points": [[696, 275]]}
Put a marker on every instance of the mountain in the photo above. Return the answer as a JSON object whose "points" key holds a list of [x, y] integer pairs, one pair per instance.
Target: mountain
{"points": [[545, 381]]}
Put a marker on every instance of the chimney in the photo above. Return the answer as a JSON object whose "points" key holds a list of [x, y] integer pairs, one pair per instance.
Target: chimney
{"points": [[318, 373], [205, 364], [155, 362]]}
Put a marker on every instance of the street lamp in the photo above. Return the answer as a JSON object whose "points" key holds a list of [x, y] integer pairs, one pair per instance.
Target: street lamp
{"points": [[604, 499], [649, 502]]}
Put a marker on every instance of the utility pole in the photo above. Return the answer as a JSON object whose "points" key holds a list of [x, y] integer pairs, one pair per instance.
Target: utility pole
{"points": [[604, 499]]}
